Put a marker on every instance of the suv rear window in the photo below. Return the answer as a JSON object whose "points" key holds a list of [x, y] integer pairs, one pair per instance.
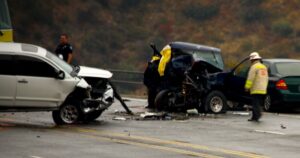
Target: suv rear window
{"points": [[288, 69]]}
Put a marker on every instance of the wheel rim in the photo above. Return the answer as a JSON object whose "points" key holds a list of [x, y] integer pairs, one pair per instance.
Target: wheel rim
{"points": [[171, 99], [267, 103], [69, 114], [216, 104]]}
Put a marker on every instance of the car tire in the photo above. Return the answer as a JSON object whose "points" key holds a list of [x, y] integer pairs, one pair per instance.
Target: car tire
{"points": [[69, 113], [92, 116], [215, 102], [268, 104], [163, 100]]}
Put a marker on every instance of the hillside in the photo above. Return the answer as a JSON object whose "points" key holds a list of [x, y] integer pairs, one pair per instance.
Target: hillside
{"points": [[115, 33]]}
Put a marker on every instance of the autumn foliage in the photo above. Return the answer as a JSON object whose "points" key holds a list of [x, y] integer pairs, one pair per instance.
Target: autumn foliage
{"points": [[115, 33]]}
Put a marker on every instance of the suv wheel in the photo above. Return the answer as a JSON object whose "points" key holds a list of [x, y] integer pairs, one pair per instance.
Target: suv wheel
{"points": [[215, 102], [69, 113], [164, 100]]}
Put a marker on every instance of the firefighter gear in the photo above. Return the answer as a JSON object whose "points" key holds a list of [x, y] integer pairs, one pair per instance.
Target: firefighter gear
{"points": [[257, 83], [166, 57], [254, 56], [154, 58], [257, 80]]}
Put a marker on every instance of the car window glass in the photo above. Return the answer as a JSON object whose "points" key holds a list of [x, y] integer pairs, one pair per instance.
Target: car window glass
{"points": [[288, 69], [268, 67], [61, 63], [211, 57], [29, 66], [4, 16], [6, 65], [242, 70]]}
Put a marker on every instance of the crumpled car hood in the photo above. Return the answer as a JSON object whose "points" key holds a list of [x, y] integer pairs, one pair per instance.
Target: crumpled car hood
{"points": [[203, 64], [94, 72]]}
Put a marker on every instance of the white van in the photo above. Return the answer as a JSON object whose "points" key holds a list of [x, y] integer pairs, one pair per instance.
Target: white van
{"points": [[34, 79]]}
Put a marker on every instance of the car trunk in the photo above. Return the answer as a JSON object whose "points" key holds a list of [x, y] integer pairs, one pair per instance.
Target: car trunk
{"points": [[293, 83], [292, 91]]}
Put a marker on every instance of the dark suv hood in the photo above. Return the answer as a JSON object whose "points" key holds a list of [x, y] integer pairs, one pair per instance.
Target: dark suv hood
{"points": [[201, 64]]}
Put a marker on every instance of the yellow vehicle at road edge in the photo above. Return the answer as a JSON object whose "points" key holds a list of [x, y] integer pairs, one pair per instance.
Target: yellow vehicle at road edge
{"points": [[6, 31]]}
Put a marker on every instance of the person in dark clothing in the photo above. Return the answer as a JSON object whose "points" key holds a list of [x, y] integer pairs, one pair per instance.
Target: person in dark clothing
{"points": [[64, 50], [152, 78]]}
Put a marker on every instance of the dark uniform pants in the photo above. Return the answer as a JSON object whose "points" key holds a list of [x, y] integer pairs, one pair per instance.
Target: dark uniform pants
{"points": [[257, 103]]}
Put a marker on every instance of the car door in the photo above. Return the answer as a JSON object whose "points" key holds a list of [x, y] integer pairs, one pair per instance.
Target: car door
{"points": [[235, 83], [37, 85], [8, 80]]}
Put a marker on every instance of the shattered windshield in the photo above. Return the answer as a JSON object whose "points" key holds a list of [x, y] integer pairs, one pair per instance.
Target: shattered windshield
{"points": [[211, 57]]}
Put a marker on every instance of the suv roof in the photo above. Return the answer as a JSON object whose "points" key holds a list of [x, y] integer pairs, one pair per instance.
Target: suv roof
{"points": [[22, 48], [192, 46]]}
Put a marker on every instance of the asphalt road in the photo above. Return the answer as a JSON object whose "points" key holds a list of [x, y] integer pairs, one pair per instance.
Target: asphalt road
{"points": [[118, 135]]}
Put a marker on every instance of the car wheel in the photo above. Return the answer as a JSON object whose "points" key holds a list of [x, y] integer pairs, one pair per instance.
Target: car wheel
{"points": [[69, 113], [92, 116], [215, 102], [267, 103], [164, 100]]}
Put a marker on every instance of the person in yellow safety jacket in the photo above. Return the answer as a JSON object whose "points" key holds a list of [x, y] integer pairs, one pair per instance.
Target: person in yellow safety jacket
{"points": [[165, 59], [256, 83]]}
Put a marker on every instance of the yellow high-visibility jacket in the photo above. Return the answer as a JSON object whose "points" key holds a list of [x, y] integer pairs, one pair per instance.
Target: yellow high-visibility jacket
{"points": [[154, 58], [257, 80], [166, 57]]}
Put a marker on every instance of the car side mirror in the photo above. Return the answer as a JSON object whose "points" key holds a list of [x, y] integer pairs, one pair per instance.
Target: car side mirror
{"points": [[60, 75]]}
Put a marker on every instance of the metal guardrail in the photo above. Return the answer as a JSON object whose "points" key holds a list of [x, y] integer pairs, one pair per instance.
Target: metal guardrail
{"points": [[129, 82]]}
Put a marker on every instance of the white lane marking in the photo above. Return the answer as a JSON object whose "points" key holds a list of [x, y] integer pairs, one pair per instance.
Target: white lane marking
{"points": [[135, 99], [270, 132], [35, 157], [290, 115], [296, 116]]}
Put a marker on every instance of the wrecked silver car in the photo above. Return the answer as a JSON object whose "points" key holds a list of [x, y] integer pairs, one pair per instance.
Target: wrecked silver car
{"points": [[33, 79]]}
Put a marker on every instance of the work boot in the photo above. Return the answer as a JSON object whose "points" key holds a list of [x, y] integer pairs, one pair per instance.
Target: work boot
{"points": [[253, 119]]}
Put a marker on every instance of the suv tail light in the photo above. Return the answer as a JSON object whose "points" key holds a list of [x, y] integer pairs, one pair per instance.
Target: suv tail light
{"points": [[281, 85]]}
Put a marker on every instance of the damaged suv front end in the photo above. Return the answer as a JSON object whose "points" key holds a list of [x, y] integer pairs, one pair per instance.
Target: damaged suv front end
{"points": [[35, 79], [92, 95], [100, 91]]}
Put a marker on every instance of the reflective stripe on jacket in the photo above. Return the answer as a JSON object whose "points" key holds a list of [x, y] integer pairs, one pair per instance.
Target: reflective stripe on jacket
{"points": [[166, 57], [154, 58], [257, 80]]}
